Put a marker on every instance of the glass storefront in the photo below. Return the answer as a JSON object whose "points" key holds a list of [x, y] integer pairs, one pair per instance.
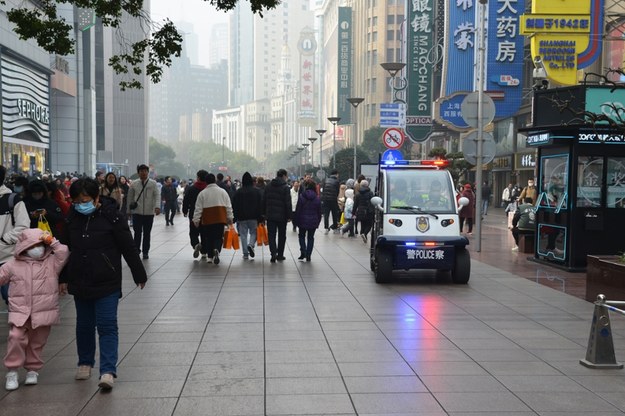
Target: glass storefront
{"points": [[23, 159]]}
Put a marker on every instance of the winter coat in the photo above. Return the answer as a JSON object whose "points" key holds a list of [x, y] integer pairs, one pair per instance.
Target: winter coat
{"points": [[295, 196], [11, 226], [331, 187], [34, 289], [246, 204], [169, 194], [363, 197], [97, 243], [53, 211], [149, 200], [277, 201], [115, 193], [213, 206], [190, 198], [468, 211], [528, 192], [349, 208], [308, 210]]}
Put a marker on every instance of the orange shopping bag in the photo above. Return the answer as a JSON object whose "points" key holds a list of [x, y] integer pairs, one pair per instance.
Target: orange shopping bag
{"points": [[234, 238], [227, 239], [262, 237]]}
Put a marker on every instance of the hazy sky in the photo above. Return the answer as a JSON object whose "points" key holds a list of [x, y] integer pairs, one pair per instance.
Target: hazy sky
{"points": [[198, 12]]}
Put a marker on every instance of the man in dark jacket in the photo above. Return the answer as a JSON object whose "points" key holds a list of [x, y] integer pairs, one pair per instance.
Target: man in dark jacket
{"points": [[363, 209], [188, 205], [169, 196], [247, 212], [276, 204], [330, 202]]}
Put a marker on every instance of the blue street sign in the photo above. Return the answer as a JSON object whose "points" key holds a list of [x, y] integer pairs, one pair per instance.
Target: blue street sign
{"points": [[393, 115], [390, 114], [390, 106], [390, 156]]}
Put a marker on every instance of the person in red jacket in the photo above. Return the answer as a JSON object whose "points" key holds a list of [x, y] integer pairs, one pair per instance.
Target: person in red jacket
{"points": [[468, 212], [33, 301]]}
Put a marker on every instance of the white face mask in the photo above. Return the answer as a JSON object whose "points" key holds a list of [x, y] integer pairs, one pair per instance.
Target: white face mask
{"points": [[36, 252]]}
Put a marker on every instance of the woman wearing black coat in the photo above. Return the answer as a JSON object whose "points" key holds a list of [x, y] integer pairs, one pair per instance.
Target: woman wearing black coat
{"points": [[98, 237], [39, 204]]}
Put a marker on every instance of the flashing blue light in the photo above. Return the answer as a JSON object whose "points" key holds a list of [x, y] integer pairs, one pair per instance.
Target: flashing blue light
{"points": [[391, 157], [411, 244]]}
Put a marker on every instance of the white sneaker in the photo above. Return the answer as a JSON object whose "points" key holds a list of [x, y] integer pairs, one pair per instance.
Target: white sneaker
{"points": [[83, 372], [106, 381], [196, 250], [327, 231], [203, 257], [12, 383], [31, 378], [515, 248]]}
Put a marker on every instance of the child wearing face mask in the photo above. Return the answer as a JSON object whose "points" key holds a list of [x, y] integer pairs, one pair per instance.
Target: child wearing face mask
{"points": [[33, 301]]}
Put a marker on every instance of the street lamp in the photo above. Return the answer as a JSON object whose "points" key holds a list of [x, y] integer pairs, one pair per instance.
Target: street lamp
{"points": [[305, 155], [223, 150], [393, 68], [334, 121], [355, 102], [312, 153], [320, 133]]}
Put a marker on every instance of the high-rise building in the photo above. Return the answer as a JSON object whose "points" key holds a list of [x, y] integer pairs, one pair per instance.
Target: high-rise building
{"points": [[218, 44]]}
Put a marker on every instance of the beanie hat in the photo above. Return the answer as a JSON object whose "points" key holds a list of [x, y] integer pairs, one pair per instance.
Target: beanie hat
{"points": [[364, 184], [467, 186]]}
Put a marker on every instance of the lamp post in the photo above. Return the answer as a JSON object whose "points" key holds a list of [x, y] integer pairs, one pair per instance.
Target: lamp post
{"points": [[320, 133], [334, 121], [305, 155], [223, 150], [393, 68], [355, 102], [312, 153], [480, 126]]}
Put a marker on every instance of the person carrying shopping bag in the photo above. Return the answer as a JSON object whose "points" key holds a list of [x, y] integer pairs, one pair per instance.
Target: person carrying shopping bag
{"points": [[247, 214]]}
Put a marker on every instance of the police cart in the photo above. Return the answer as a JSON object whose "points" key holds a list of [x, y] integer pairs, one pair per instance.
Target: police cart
{"points": [[416, 221]]}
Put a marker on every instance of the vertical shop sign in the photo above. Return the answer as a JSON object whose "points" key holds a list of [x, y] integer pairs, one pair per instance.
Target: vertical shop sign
{"points": [[419, 68], [344, 73], [307, 47], [460, 46]]}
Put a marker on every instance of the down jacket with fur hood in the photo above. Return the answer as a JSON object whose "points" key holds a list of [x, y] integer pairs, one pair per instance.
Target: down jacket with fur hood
{"points": [[34, 289]]}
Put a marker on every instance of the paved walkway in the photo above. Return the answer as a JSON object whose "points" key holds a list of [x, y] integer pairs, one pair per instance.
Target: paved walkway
{"points": [[293, 338]]}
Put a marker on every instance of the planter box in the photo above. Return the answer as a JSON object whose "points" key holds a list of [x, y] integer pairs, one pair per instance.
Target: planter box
{"points": [[606, 275]]}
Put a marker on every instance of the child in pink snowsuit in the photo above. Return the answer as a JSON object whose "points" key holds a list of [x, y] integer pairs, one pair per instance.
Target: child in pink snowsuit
{"points": [[33, 301]]}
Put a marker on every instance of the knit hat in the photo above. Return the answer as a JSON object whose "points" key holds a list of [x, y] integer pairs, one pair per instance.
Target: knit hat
{"points": [[349, 183], [364, 184], [467, 186]]}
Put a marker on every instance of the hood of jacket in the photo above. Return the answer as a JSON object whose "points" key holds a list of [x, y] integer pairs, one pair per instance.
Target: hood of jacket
{"points": [[38, 186], [247, 179], [28, 238], [349, 193], [310, 194]]}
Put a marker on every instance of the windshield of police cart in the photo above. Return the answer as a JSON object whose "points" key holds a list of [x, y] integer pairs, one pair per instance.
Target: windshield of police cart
{"points": [[423, 189]]}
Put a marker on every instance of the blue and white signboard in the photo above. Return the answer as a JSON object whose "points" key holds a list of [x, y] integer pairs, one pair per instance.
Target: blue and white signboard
{"points": [[393, 115], [449, 113], [389, 157], [460, 46]]}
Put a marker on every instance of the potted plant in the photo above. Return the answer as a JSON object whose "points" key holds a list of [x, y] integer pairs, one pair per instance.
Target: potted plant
{"points": [[606, 275]]}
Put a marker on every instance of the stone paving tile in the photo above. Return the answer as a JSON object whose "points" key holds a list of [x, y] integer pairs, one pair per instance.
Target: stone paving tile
{"points": [[394, 384], [219, 406], [303, 404], [391, 403], [305, 386]]}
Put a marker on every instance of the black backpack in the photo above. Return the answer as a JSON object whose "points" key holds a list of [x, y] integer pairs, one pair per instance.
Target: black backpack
{"points": [[7, 203]]}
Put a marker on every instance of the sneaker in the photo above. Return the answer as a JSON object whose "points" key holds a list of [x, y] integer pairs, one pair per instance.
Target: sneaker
{"points": [[203, 257], [364, 238], [250, 250], [327, 231], [145, 257], [515, 248], [208, 259], [216, 257], [106, 381], [31, 378], [280, 258], [246, 257], [337, 231], [83, 372], [273, 259], [196, 250], [12, 383]]}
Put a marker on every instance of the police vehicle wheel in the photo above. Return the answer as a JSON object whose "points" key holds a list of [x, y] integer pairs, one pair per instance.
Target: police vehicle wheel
{"points": [[462, 267], [384, 269]]}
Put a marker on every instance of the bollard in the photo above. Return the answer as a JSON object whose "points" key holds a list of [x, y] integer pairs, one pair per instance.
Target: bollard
{"points": [[600, 351]]}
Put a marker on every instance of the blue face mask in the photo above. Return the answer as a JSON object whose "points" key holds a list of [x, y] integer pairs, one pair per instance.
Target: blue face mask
{"points": [[85, 208], [18, 189]]}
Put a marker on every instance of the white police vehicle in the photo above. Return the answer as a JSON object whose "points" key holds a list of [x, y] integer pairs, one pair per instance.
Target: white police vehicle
{"points": [[416, 221]]}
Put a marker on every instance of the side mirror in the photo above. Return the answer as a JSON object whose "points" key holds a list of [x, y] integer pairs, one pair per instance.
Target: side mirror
{"points": [[463, 202], [376, 201]]}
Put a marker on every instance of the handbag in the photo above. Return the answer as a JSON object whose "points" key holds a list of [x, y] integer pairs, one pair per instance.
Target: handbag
{"points": [[262, 236], [234, 238], [342, 221], [43, 224], [227, 239]]}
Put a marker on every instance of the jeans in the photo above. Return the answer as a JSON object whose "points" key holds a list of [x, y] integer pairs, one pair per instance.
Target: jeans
{"points": [[485, 207], [100, 314], [212, 238], [331, 207], [170, 211], [244, 228], [306, 241], [142, 225], [273, 228]]}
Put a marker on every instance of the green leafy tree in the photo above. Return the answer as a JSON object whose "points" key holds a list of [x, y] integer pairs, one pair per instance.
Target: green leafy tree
{"points": [[458, 167], [372, 144], [345, 161], [163, 158], [150, 55]]}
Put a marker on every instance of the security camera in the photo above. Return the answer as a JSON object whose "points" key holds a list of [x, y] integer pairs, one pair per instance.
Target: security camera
{"points": [[539, 72]]}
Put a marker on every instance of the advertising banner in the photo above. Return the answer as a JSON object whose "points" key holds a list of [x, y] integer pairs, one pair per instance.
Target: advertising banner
{"points": [[606, 101], [565, 36], [504, 62], [460, 46], [344, 81], [307, 47], [419, 68]]}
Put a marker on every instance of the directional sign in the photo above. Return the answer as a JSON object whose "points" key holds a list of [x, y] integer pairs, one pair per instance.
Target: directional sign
{"points": [[469, 148], [390, 156], [393, 115], [393, 138]]}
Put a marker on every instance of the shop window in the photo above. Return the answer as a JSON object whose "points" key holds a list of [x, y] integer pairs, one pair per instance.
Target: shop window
{"points": [[554, 182], [589, 181], [616, 182]]}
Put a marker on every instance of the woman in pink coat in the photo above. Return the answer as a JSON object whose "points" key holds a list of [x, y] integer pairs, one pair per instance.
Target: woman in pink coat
{"points": [[33, 301]]}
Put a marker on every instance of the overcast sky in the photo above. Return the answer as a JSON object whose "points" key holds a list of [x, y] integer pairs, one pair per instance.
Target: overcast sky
{"points": [[198, 12]]}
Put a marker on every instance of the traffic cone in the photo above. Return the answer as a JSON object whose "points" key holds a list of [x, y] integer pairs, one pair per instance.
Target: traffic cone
{"points": [[600, 351]]}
